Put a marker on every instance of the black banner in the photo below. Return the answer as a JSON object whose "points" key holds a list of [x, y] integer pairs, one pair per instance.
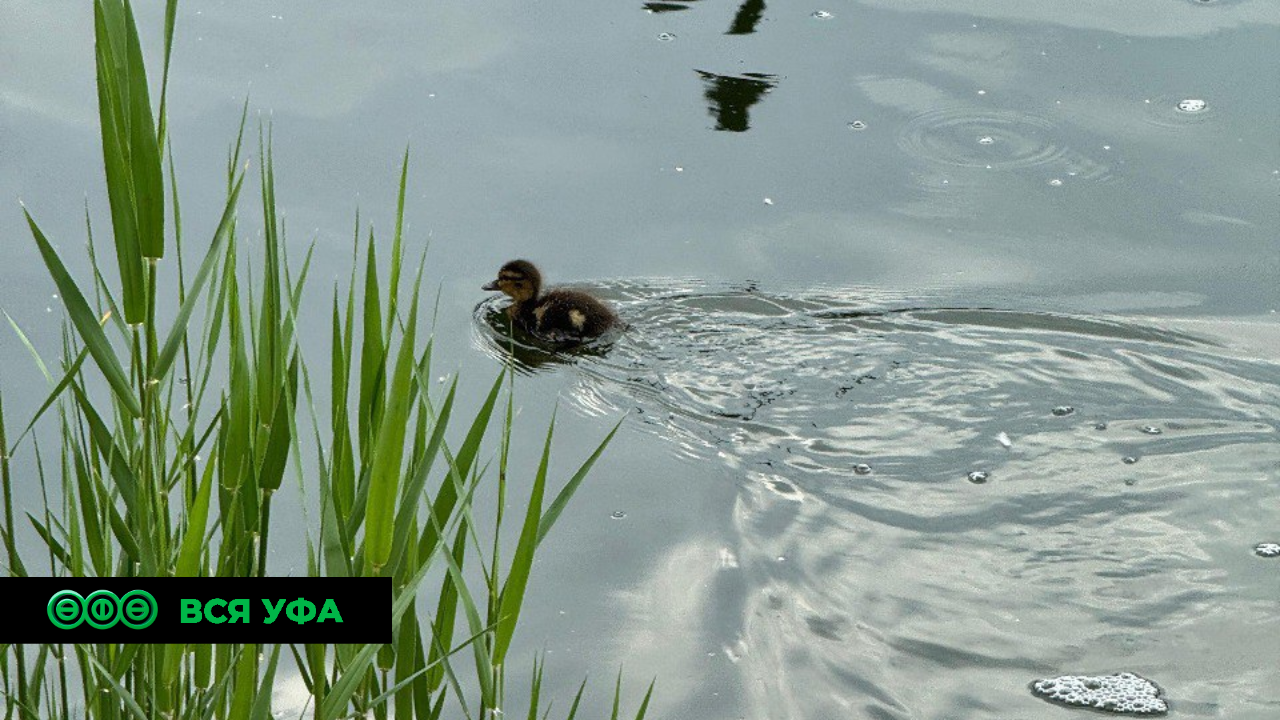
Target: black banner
{"points": [[197, 610]]}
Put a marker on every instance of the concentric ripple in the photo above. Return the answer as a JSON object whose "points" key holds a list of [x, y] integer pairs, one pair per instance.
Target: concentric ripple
{"points": [[993, 139]]}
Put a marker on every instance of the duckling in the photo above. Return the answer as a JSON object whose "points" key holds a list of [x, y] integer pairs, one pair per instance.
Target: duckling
{"points": [[556, 315]]}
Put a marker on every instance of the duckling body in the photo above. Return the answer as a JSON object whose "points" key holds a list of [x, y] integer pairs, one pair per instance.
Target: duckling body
{"points": [[560, 316]]}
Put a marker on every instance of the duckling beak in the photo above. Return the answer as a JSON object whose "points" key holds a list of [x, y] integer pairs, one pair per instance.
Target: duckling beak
{"points": [[490, 286]]}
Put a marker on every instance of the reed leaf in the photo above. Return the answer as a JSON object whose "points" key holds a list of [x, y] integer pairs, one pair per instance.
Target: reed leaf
{"points": [[261, 709], [192, 547], [178, 330], [562, 499], [384, 474], [512, 597], [85, 322]]}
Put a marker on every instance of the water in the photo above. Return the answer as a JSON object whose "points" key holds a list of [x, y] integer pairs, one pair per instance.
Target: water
{"points": [[1043, 205], [1053, 555]]}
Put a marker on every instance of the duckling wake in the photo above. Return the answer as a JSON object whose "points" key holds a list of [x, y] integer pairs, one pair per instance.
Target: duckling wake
{"points": [[849, 428]]}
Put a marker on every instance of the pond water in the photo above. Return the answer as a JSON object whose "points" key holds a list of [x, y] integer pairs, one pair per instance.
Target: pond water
{"points": [[953, 324]]}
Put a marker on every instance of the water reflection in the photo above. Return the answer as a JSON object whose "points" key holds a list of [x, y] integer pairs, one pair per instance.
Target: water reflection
{"points": [[661, 7], [730, 97], [748, 16], [501, 339]]}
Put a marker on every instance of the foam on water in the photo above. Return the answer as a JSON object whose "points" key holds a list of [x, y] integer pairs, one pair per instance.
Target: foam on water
{"points": [[1120, 693]]}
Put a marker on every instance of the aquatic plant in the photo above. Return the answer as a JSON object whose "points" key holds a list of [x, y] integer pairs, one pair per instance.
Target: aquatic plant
{"points": [[174, 434]]}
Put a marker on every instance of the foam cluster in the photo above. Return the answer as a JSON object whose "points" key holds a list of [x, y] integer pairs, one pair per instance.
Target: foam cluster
{"points": [[1120, 693]]}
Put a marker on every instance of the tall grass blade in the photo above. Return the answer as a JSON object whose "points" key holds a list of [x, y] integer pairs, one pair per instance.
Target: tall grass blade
{"points": [[372, 357], [130, 702], [577, 699], [54, 394], [109, 34], [446, 610], [397, 254], [276, 455], [262, 703], [566, 493], [178, 331], [192, 547], [135, 181], [644, 704], [617, 696], [170, 20], [522, 563], [85, 322], [447, 496], [384, 474], [413, 489], [126, 482]]}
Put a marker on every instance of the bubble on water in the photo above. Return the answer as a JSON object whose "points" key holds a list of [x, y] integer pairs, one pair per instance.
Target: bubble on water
{"points": [[1178, 111], [1267, 549], [679, 168], [666, 37], [857, 125], [1129, 459], [862, 469], [986, 140], [1151, 430], [1120, 693], [1003, 439], [1055, 182], [617, 514], [978, 477], [982, 92], [822, 15], [1063, 410]]}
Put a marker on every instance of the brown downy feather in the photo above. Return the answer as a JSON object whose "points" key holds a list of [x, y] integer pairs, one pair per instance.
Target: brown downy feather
{"points": [[556, 315]]}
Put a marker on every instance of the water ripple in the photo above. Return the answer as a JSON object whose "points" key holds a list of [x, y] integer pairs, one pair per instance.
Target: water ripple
{"points": [[912, 576], [994, 139]]}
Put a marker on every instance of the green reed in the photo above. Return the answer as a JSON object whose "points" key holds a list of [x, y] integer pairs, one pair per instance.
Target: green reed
{"points": [[174, 434]]}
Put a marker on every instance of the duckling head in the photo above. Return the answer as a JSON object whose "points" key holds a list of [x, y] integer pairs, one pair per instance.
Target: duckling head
{"points": [[518, 279]]}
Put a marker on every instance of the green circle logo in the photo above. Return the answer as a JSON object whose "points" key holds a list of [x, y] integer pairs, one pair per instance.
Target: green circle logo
{"points": [[102, 609], [67, 609], [138, 609]]}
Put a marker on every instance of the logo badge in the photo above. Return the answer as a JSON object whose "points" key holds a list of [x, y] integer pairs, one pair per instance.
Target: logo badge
{"points": [[103, 609]]}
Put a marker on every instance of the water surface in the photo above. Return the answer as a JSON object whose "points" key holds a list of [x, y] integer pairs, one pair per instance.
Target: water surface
{"points": [[914, 226]]}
